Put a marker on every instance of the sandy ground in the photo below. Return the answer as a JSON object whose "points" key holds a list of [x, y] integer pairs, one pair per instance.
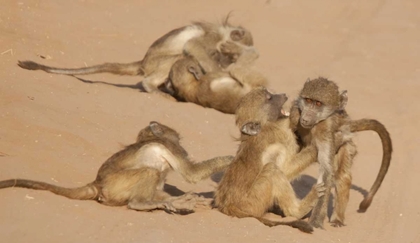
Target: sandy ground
{"points": [[60, 130]]}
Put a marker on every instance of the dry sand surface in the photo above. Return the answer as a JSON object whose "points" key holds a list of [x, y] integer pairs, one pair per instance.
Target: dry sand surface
{"points": [[57, 129]]}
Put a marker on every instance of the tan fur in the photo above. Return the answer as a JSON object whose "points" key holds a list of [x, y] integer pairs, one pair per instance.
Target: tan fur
{"points": [[258, 177], [135, 176], [218, 89], [200, 40], [318, 115]]}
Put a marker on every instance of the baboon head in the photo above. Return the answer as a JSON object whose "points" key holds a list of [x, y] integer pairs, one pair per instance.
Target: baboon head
{"points": [[155, 129], [238, 34], [319, 99], [257, 108], [242, 36], [183, 73]]}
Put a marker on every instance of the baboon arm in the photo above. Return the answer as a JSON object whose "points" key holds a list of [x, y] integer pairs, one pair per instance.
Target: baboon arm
{"points": [[247, 57], [294, 117], [195, 172], [242, 71], [300, 162], [196, 48]]}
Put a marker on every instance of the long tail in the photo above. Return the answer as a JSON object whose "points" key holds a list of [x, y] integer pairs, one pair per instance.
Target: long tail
{"points": [[379, 128], [134, 68], [299, 224], [88, 192]]}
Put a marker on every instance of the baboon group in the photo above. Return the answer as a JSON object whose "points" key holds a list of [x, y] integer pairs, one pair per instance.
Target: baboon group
{"points": [[211, 64]]}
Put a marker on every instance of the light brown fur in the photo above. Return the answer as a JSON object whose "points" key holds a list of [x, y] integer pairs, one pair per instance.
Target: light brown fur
{"points": [[317, 115], [135, 176], [218, 89], [201, 40], [267, 159]]}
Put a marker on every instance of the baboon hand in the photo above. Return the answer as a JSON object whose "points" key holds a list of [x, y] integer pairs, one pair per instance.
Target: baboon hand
{"points": [[231, 49], [320, 189]]}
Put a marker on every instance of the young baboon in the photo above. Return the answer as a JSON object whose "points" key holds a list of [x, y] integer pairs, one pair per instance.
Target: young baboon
{"points": [[318, 113], [219, 89], [201, 40], [135, 176], [267, 159]]}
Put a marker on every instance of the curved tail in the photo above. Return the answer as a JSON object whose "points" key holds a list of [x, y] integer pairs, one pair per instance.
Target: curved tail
{"points": [[134, 68], [379, 128], [88, 192]]}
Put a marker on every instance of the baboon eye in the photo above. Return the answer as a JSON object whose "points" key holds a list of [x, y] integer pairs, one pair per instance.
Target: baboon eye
{"points": [[318, 103], [309, 101]]}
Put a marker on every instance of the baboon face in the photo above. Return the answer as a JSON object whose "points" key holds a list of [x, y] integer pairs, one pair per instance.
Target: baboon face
{"points": [[258, 107], [318, 100], [155, 129], [242, 36]]}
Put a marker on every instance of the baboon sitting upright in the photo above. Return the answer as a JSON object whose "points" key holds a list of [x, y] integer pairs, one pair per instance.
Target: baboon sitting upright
{"points": [[267, 159], [200, 40], [318, 113], [135, 176], [218, 89]]}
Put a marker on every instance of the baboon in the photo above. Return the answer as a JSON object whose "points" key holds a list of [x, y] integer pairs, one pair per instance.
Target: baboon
{"points": [[317, 114], [201, 40], [135, 176], [219, 89], [258, 178]]}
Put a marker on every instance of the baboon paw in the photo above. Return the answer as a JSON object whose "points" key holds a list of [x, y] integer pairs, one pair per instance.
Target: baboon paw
{"points": [[169, 208], [320, 189], [337, 223], [230, 48], [316, 224]]}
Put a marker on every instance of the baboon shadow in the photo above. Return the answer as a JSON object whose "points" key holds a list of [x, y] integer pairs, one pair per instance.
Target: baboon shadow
{"points": [[174, 191], [138, 86], [303, 185]]}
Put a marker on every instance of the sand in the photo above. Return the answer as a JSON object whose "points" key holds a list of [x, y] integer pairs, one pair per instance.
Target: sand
{"points": [[58, 129]]}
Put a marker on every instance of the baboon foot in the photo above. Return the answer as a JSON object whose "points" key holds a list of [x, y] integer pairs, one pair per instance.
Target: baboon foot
{"points": [[337, 223], [316, 223]]}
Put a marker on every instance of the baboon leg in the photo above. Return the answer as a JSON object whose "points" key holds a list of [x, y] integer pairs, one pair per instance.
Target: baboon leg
{"points": [[121, 187], [287, 200], [145, 197], [343, 178], [259, 197], [319, 212]]}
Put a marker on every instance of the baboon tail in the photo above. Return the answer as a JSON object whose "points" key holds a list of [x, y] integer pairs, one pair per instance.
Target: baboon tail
{"points": [[379, 128], [134, 68], [299, 224], [87, 192]]}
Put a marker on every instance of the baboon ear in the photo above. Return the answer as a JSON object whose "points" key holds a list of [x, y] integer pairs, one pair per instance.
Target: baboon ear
{"points": [[307, 80], [343, 100], [237, 35], [195, 72], [251, 128], [156, 128]]}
